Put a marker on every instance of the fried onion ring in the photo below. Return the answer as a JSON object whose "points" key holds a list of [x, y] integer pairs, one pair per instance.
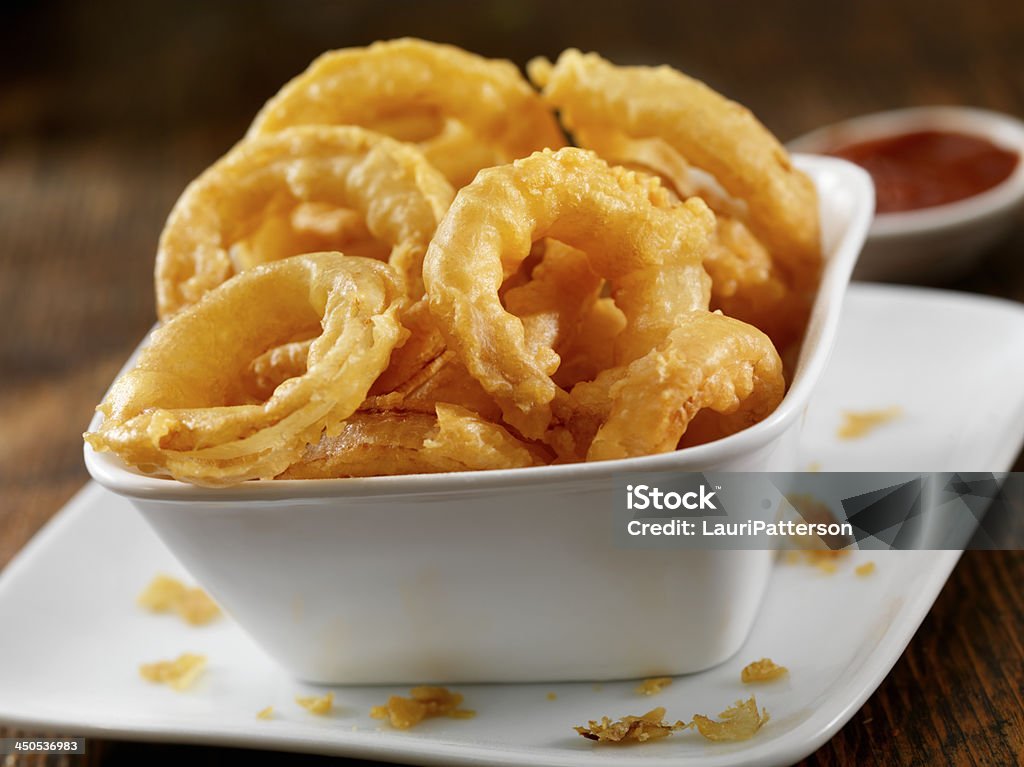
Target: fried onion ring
{"points": [[261, 196], [715, 134], [396, 442], [765, 258], [177, 410], [465, 112], [709, 361], [648, 247]]}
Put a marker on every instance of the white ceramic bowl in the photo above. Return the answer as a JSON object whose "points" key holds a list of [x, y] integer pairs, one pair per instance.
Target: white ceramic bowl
{"points": [[499, 575], [943, 242]]}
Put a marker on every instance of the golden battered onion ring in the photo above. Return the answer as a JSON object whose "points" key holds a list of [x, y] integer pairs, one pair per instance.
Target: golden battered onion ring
{"points": [[648, 248], [465, 112], [177, 410], [592, 348], [254, 190], [595, 97], [424, 345], [396, 442], [552, 303], [275, 366], [709, 361]]}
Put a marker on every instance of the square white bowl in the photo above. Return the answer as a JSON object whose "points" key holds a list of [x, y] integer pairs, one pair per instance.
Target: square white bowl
{"points": [[499, 576]]}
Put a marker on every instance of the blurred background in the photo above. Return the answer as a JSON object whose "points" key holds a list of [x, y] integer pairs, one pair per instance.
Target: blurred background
{"points": [[108, 108]]}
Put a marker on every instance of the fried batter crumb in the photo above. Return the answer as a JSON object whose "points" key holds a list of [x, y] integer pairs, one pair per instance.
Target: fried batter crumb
{"points": [[162, 594], [636, 729], [865, 569], [857, 424], [422, 703], [166, 594], [266, 713], [826, 560], [552, 696], [740, 722], [196, 608], [653, 686], [764, 670], [320, 705], [179, 674]]}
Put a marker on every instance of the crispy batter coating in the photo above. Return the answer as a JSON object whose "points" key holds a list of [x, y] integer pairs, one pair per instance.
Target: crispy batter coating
{"points": [[648, 248], [464, 111], [245, 209], [402, 442], [182, 408]]}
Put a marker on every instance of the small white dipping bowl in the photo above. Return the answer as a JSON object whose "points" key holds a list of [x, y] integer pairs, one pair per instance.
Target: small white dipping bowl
{"points": [[500, 576], [943, 242]]}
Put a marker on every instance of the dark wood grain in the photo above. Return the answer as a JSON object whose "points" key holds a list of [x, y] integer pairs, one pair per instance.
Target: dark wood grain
{"points": [[107, 109]]}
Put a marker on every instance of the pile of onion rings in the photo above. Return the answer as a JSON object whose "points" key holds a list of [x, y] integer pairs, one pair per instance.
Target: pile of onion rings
{"points": [[403, 268]]}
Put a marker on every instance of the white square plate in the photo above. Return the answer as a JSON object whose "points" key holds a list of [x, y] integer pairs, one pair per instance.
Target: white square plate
{"points": [[73, 639]]}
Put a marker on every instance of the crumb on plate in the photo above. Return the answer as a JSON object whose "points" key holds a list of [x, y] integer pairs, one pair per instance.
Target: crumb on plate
{"points": [[631, 729], [320, 705], [179, 674], [857, 424], [740, 721], [422, 703], [865, 569], [552, 696], [764, 670], [166, 594], [266, 713], [653, 686]]}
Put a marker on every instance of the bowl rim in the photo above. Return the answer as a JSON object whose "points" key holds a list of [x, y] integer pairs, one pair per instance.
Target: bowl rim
{"points": [[1003, 130], [110, 472]]}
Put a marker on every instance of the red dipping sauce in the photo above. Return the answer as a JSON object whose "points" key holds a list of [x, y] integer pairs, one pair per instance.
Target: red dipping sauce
{"points": [[928, 168]]}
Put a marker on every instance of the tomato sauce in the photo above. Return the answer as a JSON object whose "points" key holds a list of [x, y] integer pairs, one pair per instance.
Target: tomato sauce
{"points": [[928, 168]]}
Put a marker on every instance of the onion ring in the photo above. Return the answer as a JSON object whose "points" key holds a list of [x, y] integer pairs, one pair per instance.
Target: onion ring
{"points": [[465, 112], [177, 410], [715, 134], [393, 190], [710, 361], [648, 248], [396, 442]]}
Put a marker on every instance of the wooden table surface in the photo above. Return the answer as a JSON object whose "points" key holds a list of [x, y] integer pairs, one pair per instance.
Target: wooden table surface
{"points": [[108, 109]]}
